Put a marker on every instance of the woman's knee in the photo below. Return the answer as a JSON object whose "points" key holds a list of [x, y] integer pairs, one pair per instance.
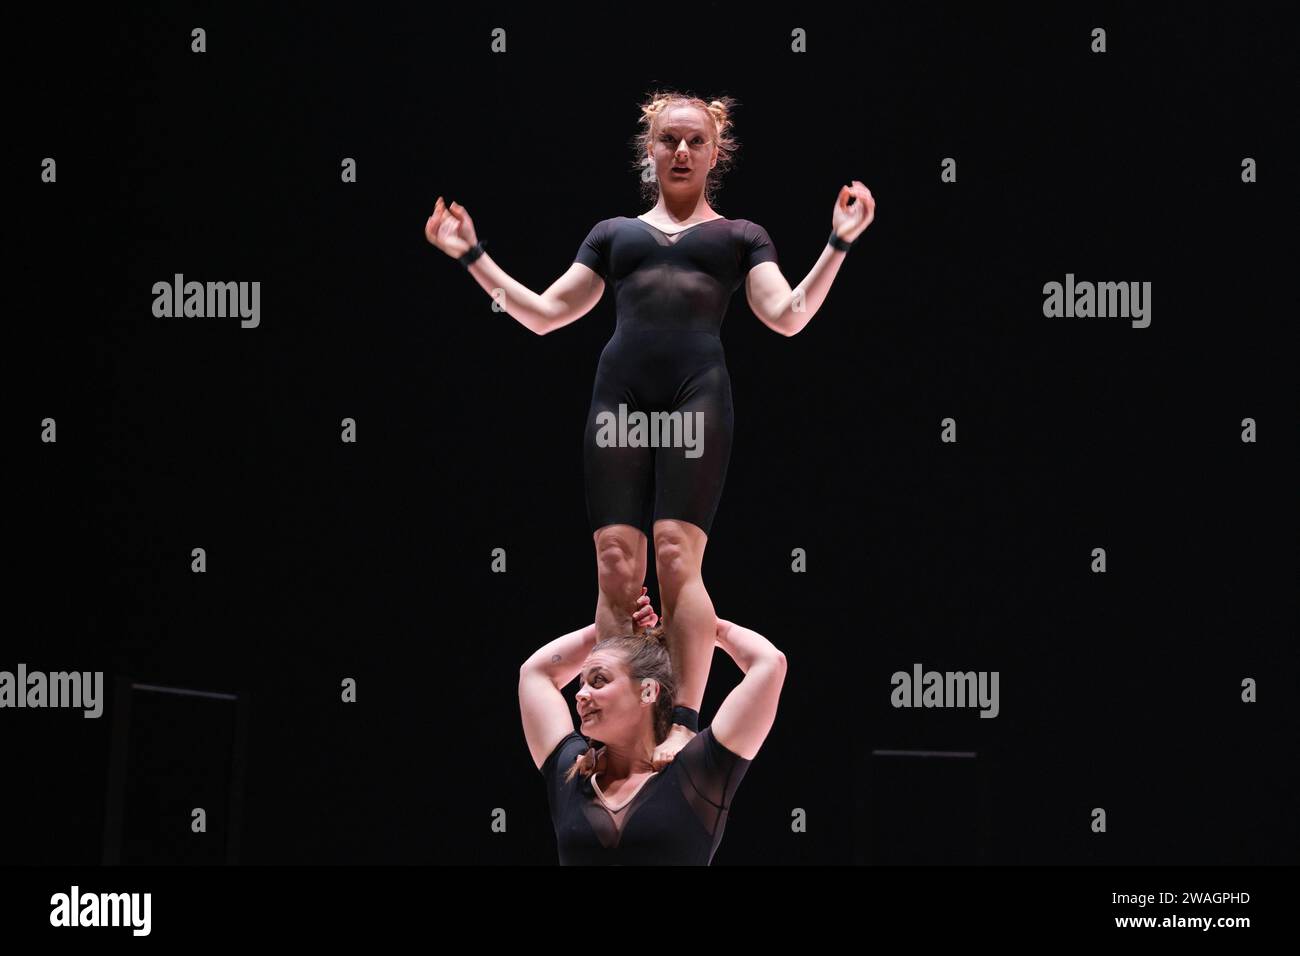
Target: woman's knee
{"points": [[620, 560], [677, 555]]}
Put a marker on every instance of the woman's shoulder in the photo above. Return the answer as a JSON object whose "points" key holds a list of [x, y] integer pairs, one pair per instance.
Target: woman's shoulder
{"points": [[748, 231], [565, 752], [706, 745]]}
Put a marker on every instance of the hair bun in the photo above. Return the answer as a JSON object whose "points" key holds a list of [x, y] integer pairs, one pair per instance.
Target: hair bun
{"points": [[655, 635]]}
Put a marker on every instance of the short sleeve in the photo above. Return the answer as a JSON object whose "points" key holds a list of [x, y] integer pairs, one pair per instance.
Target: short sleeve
{"points": [[713, 771], [758, 246], [549, 766], [594, 251]]}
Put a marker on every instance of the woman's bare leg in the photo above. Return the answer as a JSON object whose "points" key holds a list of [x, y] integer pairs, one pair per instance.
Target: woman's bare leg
{"points": [[691, 621], [620, 572]]}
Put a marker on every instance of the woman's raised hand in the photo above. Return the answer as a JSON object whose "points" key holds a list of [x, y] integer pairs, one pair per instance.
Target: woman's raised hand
{"points": [[450, 229], [644, 615], [849, 221]]}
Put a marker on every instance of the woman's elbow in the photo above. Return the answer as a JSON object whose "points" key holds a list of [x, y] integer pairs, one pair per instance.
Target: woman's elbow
{"points": [[541, 323], [784, 324], [774, 660], [552, 313]]}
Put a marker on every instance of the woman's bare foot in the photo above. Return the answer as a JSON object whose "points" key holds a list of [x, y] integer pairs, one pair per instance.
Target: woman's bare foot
{"points": [[678, 737]]}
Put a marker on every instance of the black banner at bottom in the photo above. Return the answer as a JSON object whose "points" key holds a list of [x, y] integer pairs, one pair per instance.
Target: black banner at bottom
{"points": [[335, 904]]}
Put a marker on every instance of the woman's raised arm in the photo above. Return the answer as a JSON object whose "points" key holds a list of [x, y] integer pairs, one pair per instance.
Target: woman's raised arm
{"points": [[787, 310], [542, 706], [568, 298], [745, 717]]}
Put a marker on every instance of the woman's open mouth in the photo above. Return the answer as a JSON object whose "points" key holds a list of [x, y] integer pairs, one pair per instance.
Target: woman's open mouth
{"points": [[681, 170]]}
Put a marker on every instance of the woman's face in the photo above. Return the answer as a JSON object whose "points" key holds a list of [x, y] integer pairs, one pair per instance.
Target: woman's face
{"points": [[683, 150], [610, 705]]}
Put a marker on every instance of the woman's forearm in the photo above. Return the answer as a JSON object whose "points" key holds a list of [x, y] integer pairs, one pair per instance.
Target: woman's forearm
{"points": [[521, 303], [747, 648], [562, 658], [798, 312]]}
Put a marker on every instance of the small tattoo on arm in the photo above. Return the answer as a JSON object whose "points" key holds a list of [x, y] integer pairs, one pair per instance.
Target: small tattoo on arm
{"points": [[556, 658]]}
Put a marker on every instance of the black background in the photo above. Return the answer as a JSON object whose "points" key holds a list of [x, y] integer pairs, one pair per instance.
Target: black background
{"points": [[1118, 690]]}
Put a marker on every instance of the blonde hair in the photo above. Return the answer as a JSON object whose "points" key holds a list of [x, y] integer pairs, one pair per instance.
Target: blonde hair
{"points": [[644, 655], [719, 112]]}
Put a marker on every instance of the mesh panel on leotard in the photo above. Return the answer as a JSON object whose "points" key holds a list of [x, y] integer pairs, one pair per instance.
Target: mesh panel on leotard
{"points": [[671, 295], [677, 817]]}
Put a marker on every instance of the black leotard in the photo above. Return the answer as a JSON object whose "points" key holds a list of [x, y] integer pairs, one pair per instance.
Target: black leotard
{"points": [[676, 818], [671, 294]]}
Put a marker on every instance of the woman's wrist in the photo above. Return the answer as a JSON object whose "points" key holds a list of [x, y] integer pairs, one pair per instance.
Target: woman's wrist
{"points": [[474, 252]]}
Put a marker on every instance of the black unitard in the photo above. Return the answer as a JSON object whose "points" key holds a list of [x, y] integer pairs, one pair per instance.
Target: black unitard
{"points": [[675, 819], [670, 296]]}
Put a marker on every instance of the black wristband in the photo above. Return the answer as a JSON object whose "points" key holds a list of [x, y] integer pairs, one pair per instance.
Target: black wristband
{"points": [[836, 242], [475, 251], [690, 719]]}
